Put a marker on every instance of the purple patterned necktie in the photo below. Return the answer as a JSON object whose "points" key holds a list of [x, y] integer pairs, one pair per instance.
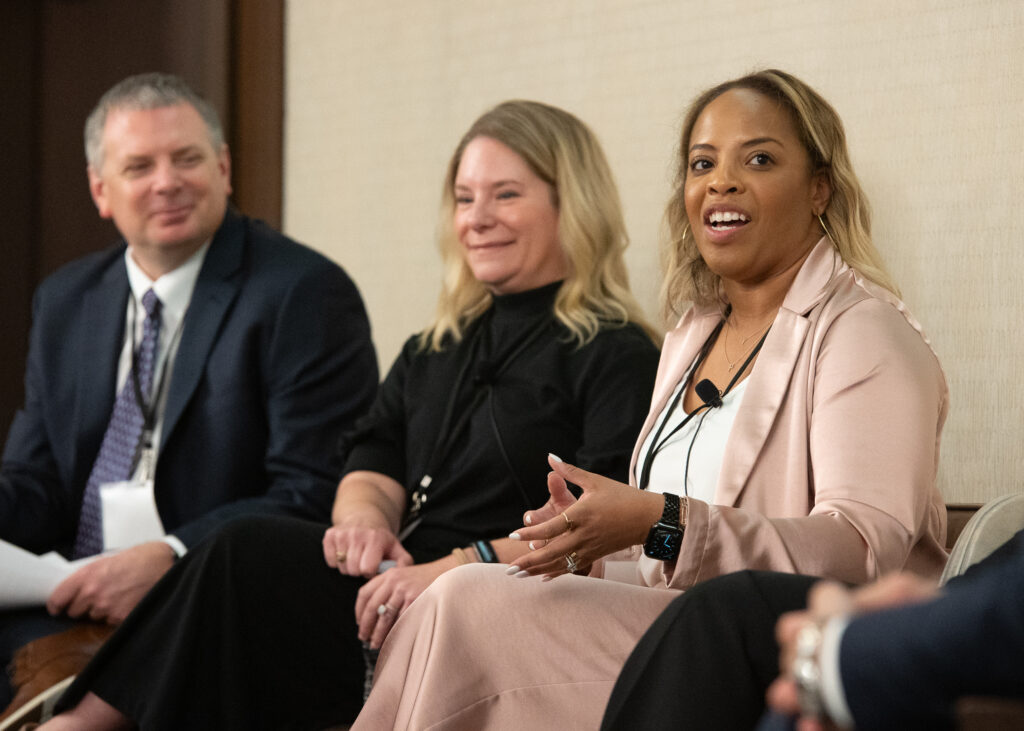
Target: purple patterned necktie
{"points": [[116, 457]]}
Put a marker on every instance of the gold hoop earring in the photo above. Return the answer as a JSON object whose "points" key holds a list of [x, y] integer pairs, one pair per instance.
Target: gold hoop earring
{"points": [[827, 232]]}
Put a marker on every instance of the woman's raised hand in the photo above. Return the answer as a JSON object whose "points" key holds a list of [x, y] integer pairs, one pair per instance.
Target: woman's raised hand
{"points": [[559, 502], [567, 536]]}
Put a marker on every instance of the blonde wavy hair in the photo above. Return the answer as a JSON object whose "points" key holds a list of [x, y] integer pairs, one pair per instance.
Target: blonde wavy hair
{"points": [[847, 216], [562, 151]]}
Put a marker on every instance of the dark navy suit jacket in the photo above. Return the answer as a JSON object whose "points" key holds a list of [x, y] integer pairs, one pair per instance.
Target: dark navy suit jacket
{"points": [[274, 364], [903, 668]]}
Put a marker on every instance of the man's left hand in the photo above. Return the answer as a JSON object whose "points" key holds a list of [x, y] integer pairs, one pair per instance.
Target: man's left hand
{"points": [[108, 588]]}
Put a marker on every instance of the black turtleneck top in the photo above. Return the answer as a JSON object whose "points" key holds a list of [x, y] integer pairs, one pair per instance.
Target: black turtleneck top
{"points": [[522, 388]]}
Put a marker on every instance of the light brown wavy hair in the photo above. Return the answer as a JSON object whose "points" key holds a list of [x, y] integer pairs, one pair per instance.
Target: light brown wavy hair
{"points": [[562, 151], [847, 216]]}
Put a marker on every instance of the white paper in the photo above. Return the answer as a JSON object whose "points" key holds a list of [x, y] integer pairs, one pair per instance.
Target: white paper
{"points": [[129, 514], [27, 579]]}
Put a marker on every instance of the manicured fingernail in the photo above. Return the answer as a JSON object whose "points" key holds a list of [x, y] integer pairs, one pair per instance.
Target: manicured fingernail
{"points": [[547, 577], [512, 570], [528, 519], [515, 536], [523, 575], [532, 547], [554, 457]]}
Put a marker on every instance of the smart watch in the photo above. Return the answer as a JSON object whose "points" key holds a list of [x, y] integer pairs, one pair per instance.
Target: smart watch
{"points": [[666, 536]]}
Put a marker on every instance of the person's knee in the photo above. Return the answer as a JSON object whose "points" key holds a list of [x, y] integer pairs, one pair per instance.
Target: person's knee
{"points": [[462, 579], [448, 592], [728, 590], [257, 535], [741, 588], [252, 527]]}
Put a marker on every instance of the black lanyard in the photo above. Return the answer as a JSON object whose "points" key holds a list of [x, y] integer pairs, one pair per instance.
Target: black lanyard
{"points": [[148, 410], [448, 433], [656, 446]]}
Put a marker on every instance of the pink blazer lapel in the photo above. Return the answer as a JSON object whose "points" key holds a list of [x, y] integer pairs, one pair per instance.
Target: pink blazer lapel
{"points": [[772, 375], [769, 382]]}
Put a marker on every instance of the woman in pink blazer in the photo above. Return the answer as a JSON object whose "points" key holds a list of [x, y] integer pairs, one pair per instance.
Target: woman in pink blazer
{"points": [[794, 426]]}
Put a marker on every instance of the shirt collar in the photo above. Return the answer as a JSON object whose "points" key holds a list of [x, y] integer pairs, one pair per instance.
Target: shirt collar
{"points": [[173, 288]]}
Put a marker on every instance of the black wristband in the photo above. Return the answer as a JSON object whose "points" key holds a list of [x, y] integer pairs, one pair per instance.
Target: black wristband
{"points": [[485, 551]]}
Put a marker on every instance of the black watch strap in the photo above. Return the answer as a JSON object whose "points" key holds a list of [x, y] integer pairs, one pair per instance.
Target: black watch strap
{"points": [[666, 536], [670, 514]]}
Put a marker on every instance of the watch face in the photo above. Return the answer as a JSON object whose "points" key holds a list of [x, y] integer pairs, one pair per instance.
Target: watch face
{"points": [[663, 543]]}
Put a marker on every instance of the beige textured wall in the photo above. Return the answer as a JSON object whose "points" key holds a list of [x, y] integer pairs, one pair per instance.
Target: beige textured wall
{"points": [[932, 94]]}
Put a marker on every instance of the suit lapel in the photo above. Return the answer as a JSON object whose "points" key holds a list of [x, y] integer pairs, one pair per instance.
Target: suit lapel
{"points": [[216, 288], [99, 348], [773, 372], [769, 382]]}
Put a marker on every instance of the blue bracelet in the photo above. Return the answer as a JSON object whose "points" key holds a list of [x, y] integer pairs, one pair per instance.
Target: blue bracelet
{"points": [[485, 551]]}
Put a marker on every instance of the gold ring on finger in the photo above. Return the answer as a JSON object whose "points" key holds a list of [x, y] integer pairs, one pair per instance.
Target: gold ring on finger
{"points": [[569, 525], [340, 556], [385, 609]]}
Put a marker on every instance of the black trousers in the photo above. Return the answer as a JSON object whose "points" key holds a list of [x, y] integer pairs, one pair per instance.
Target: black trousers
{"points": [[706, 662], [251, 630]]}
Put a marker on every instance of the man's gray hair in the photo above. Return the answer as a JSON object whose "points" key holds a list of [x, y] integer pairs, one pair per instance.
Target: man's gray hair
{"points": [[146, 91]]}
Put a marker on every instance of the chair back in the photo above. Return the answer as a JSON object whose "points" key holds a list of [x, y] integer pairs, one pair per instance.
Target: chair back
{"points": [[994, 524]]}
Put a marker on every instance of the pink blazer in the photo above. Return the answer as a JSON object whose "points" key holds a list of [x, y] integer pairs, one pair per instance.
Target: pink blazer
{"points": [[831, 462]]}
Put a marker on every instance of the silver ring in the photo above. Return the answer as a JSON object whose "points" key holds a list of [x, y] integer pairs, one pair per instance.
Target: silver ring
{"points": [[570, 563], [385, 608]]}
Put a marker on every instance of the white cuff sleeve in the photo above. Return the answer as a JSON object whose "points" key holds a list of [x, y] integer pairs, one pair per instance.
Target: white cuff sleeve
{"points": [[832, 693], [176, 545]]}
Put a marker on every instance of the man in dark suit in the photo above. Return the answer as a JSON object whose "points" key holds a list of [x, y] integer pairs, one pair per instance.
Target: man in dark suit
{"points": [[897, 654], [206, 357], [894, 654]]}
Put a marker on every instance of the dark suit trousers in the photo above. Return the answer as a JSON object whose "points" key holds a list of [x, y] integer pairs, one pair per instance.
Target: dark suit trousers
{"points": [[251, 630], [707, 661]]}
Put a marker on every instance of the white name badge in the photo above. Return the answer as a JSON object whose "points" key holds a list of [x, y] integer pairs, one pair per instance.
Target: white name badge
{"points": [[129, 514]]}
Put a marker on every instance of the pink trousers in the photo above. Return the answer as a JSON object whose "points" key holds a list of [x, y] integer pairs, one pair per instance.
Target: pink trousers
{"points": [[482, 650]]}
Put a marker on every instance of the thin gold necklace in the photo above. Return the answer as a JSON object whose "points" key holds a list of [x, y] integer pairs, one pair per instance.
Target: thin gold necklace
{"points": [[743, 343]]}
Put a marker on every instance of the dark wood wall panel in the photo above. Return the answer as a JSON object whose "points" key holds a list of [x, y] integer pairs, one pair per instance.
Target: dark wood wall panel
{"points": [[18, 186], [58, 57], [86, 47], [257, 106]]}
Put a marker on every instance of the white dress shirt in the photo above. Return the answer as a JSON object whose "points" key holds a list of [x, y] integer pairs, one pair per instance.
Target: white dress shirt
{"points": [[174, 291]]}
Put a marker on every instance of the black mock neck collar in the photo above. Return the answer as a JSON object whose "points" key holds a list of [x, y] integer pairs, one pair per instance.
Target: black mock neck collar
{"points": [[528, 303]]}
